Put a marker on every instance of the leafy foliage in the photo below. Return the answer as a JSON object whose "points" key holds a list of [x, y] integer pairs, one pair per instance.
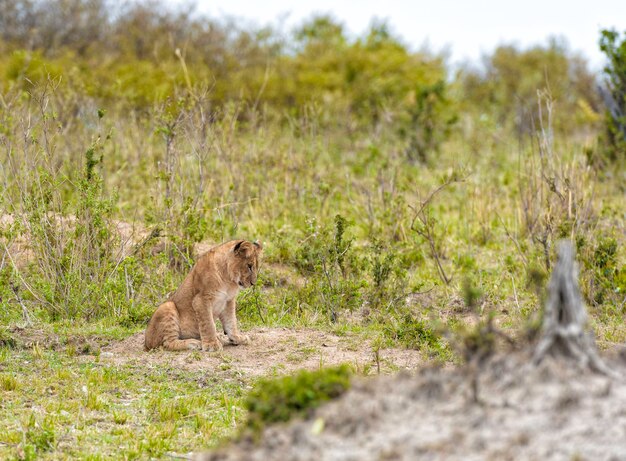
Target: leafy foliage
{"points": [[281, 399], [327, 258], [614, 47], [415, 333], [151, 51], [429, 119], [603, 273], [506, 88]]}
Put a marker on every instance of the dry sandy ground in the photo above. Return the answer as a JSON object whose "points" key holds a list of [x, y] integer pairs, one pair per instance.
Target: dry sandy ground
{"points": [[550, 412], [272, 351]]}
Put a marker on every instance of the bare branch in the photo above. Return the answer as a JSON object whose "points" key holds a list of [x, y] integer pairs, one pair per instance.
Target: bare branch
{"points": [[426, 230]]}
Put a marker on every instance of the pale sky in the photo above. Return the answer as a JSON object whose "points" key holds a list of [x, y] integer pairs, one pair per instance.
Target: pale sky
{"points": [[467, 29]]}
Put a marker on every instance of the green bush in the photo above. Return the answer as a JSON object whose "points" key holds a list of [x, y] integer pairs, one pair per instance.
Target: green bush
{"points": [[74, 240], [414, 333], [505, 89], [387, 290], [329, 260], [607, 278], [281, 399], [427, 121]]}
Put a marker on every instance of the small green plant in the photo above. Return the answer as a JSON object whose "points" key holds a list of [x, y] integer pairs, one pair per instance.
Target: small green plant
{"points": [[253, 304], [326, 249], [6, 339], [37, 351], [8, 284], [415, 333], [333, 269], [471, 294], [120, 417], [8, 382], [165, 410], [194, 224], [387, 290], [39, 436], [281, 399], [94, 401], [606, 278], [477, 342], [424, 224]]}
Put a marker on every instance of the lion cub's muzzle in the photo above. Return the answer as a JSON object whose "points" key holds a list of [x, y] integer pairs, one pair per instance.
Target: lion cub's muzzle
{"points": [[247, 283]]}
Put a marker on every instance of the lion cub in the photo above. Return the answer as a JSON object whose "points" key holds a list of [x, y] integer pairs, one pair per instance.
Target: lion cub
{"points": [[186, 320]]}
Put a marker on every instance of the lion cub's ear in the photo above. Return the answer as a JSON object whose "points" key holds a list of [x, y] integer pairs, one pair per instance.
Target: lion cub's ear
{"points": [[258, 244], [244, 249]]}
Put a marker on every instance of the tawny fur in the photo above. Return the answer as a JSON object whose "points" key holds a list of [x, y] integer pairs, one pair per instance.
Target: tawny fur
{"points": [[187, 319]]}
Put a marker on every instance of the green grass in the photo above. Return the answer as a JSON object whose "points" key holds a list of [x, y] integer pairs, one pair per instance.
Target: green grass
{"points": [[59, 407]]}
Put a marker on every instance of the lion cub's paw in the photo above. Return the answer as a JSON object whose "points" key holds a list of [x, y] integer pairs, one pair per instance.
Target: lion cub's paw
{"points": [[212, 346], [239, 339], [194, 345]]}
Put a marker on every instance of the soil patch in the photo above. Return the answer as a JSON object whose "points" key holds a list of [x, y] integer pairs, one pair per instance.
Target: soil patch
{"points": [[273, 351], [20, 338]]}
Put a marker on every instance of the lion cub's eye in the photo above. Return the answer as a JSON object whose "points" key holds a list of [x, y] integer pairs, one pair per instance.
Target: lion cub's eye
{"points": [[250, 267]]}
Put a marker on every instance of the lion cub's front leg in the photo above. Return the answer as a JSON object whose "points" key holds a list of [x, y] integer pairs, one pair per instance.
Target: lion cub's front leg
{"points": [[229, 322], [203, 308]]}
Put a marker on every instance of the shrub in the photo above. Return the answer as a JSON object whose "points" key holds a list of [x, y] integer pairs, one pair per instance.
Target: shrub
{"points": [[387, 291], [333, 268], [604, 279], [279, 400], [427, 121], [74, 240], [505, 89], [414, 333]]}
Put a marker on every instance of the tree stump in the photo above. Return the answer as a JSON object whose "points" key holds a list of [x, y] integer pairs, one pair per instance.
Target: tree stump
{"points": [[564, 331]]}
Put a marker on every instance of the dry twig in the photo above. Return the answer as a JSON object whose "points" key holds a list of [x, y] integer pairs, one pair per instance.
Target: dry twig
{"points": [[426, 225]]}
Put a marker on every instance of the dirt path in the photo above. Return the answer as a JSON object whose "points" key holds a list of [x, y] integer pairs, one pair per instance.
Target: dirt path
{"points": [[272, 351]]}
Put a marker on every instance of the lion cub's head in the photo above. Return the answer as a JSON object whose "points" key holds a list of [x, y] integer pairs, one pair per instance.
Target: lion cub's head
{"points": [[245, 266]]}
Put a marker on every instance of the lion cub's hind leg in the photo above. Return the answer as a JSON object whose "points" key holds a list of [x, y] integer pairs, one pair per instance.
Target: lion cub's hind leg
{"points": [[164, 330]]}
